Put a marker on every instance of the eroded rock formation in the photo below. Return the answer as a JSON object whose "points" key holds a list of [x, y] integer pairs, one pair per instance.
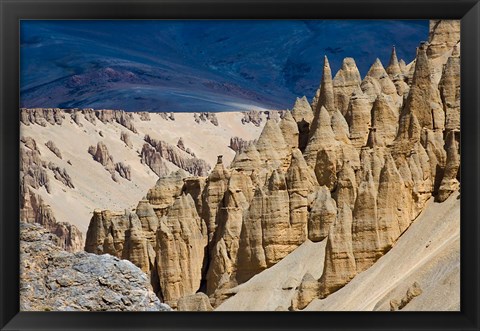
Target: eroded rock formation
{"points": [[125, 137], [155, 152], [41, 116], [51, 146], [252, 116], [121, 117], [102, 156], [238, 144], [355, 170], [181, 243], [61, 175], [123, 170], [33, 209], [203, 117], [303, 114]]}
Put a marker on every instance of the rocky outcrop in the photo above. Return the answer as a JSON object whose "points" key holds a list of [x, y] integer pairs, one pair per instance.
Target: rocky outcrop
{"points": [[393, 216], [33, 171], [167, 116], [450, 93], [41, 116], [125, 137], [444, 35], [303, 114], [393, 70], [89, 115], [215, 188], [248, 160], [424, 98], [106, 232], [71, 239], [61, 175], [325, 96], [30, 143], [274, 225], [302, 111], [339, 266], [322, 215], [119, 116], [271, 146], [252, 116], [52, 147], [307, 291], [301, 185], [164, 237], [346, 81], [165, 191], [181, 242], [155, 152], [239, 145], [52, 279], [413, 291], [358, 117], [384, 120], [289, 129], [144, 116], [275, 220], [76, 116], [154, 160], [322, 138], [450, 181], [124, 235], [377, 81], [204, 117], [340, 128], [251, 255], [102, 156], [365, 230], [195, 302], [123, 170], [195, 187], [181, 144], [223, 260]]}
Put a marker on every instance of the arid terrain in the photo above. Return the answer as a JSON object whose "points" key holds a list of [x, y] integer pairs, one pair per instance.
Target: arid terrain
{"points": [[349, 201]]}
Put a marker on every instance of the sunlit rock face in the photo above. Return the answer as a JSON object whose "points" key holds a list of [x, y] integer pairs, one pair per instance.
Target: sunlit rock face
{"points": [[355, 170]]}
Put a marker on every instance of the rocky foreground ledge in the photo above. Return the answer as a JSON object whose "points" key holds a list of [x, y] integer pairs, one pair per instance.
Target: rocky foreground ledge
{"points": [[52, 279]]}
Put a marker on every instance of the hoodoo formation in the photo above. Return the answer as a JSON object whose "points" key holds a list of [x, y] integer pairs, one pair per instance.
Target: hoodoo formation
{"points": [[348, 173]]}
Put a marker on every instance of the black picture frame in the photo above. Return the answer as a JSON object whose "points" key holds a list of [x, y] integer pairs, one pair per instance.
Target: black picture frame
{"points": [[12, 11]]}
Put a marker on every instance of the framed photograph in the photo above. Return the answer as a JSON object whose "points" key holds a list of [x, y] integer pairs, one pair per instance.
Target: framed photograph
{"points": [[239, 165]]}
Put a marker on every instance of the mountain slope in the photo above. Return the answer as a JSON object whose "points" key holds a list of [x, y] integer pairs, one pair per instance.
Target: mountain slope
{"points": [[195, 65]]}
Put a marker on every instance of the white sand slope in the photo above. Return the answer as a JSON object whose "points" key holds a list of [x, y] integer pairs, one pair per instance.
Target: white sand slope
{"points": [[427, 253], [94, 187], [275, 287]]}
